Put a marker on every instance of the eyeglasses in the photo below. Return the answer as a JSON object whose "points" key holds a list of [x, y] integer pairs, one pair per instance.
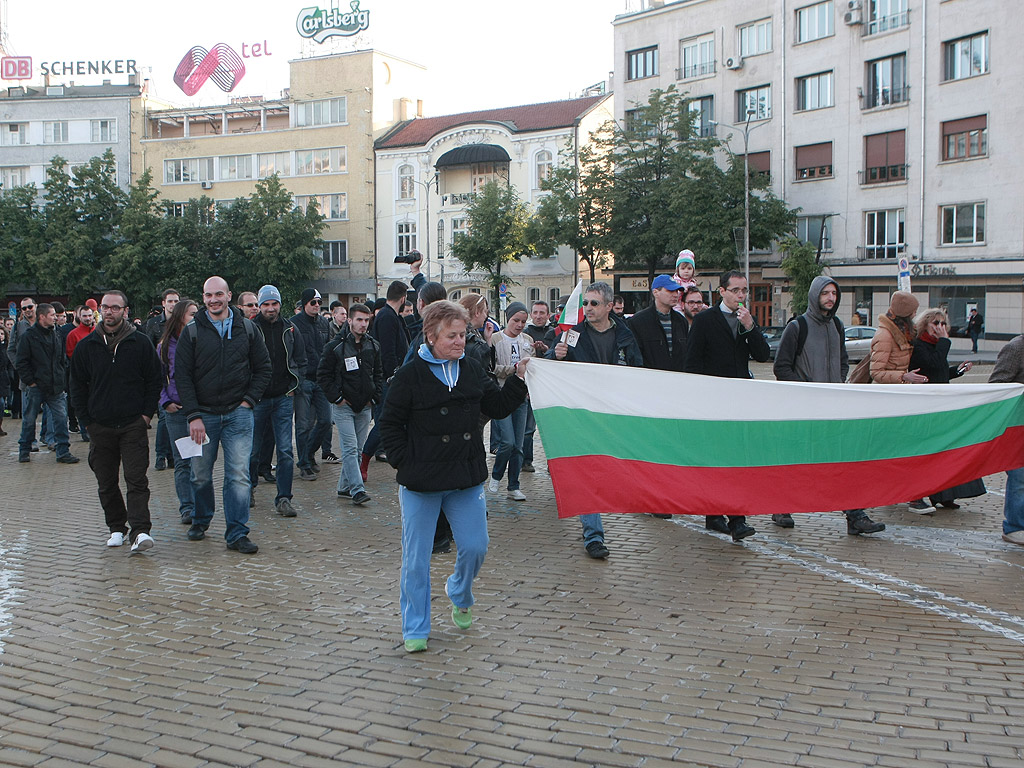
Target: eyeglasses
{"points": [[111, 307], [738, 291], [940, 322], [251, 304], [593, 303], [28, 306]]}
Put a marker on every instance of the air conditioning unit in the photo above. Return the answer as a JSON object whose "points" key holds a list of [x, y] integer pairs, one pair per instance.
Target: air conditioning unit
{"points": [[734, 62], [206, 184], [852, 18], [853, 5]]}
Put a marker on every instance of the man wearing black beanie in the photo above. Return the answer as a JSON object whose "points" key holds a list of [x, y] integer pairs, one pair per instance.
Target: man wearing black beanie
{"points": [[312, 411]]}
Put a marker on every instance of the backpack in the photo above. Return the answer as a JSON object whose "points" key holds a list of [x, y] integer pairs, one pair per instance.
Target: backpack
{"points": [[250, 330]]}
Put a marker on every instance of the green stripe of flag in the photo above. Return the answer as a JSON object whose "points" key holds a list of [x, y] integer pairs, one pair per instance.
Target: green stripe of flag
{"points": [[701, 443]]}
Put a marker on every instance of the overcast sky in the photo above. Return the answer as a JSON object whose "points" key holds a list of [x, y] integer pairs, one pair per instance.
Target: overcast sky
{"points": [[479, 53]]}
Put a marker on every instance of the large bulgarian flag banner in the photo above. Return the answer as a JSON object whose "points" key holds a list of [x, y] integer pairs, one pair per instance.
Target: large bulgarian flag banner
{"points": [[624, 439]]}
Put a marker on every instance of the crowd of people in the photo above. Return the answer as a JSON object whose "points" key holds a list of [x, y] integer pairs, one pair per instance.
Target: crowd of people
{"points": [[411, 379]]}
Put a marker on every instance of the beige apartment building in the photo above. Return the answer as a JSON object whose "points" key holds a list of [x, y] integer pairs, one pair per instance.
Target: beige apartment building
{"points": [[318, 137], [892, 124]]}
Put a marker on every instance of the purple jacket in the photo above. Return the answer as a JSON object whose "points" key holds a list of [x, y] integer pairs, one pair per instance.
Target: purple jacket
{"points": [[169, 391]]}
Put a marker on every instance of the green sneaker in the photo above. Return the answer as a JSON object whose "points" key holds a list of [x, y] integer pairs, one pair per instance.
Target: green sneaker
{"points": [[463, 618], [415, 644]]}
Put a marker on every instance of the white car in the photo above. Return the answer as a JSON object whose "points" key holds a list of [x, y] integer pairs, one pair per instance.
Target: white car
{"points": [[858, 341]]}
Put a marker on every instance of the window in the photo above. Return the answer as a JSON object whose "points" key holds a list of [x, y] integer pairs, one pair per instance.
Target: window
{"points": [[884, 234], [887, 82], [174, 210], [55, 132], [331, 207], [965, 138], [103, 130], [274, 162], [13, 176], [460, 227], [334, 253], [545, 164], [696, 57], [532, 295], [316, 161], [884, 15], [756, 102], [809, 230], [814, 161], [322, 112], [189, 170], [485, 172], [814, 92], [885, 157], [13, 134], [236, 167], [440, 238], [642, 63], [634, 123], [966, 57], [760, 163], [406, 237], [756, 38], [963, 224], [554, 294], [406, 182], [814, 22], [703, 111]]}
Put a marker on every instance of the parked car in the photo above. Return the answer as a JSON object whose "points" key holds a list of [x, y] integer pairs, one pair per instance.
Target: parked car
{"points": [[773, 335], [858, 341]]}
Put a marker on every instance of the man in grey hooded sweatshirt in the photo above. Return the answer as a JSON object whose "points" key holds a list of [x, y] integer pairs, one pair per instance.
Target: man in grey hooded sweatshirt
{"points": [[812, 348]]}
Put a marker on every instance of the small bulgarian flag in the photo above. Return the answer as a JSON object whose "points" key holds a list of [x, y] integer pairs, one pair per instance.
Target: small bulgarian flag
{"points": [[658, 441], [572, 314]]}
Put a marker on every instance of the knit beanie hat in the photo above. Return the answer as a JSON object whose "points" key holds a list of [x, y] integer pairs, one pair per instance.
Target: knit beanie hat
{"points": [[268, 293], [903, 304], [513, 308], [686, 256], [308, 295]]}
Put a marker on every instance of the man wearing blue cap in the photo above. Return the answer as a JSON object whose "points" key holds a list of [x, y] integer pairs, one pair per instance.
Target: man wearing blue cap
{"points": [[659, 330], [287, 369]]}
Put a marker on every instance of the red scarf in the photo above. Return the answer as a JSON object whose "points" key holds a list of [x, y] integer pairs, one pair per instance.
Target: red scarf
{"points": [[928, 338]]}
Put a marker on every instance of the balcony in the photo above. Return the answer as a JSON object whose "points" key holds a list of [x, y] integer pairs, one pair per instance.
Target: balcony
{"points": [[458, 198], [885, 97], [880, 252], [700, 69], [882, 174], [886, 23]]}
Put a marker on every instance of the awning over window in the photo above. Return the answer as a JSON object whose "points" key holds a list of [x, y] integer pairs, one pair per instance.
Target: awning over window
{"points": [[473, 153]]}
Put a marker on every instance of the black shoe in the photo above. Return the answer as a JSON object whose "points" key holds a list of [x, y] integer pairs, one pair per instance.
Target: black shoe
{"points": [[346, 494], [716, 523], [597, 550], [314, 466], [740, 531], [244, 546], [442, 547], [268, 476], [528, 467], [24, 457], [69, 459], [329, 458], [186, 519], [380, 456], [660, 516], [947, 505], [73, 428], [783, 521], [196, 532], [863, 524], [360, 498], [252, 498], [307, 474], [161, 464]]}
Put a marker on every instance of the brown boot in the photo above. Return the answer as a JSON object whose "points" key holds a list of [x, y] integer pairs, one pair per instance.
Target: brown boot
{"points": [[364, 465]]}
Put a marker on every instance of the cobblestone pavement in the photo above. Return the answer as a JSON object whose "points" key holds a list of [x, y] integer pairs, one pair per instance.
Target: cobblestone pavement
{"points": [[803, 647]]}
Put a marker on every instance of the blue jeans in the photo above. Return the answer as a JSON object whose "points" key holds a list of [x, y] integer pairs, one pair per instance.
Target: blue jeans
{"points": [[46, 424], [32, 402], [233, 430], [277, 411], [312, 421], [531, 430], [467, 512], [353, 427], [510, 432], [163, 439], [593, 530], [177, 427], [1013, 504]]}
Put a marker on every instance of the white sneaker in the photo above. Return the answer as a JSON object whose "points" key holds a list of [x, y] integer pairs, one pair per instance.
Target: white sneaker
{"points": [[1014, 537], [143, 542], [492, 485], [517, 495], [921, 507], [116, 539]]}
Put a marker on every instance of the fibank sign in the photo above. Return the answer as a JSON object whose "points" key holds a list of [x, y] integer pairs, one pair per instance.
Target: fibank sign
{"points": [[318, 24]]}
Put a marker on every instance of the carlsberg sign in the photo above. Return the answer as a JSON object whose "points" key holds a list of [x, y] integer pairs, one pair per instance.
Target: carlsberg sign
{"points": [[318, 25]]}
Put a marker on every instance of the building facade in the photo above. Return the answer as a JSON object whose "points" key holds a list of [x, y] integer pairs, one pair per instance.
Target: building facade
{"points": [[429, 169], [888, 123], [318, 138]]}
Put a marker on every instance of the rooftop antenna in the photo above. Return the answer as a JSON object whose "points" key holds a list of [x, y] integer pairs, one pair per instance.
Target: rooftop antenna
{"points": [[5, 42]]}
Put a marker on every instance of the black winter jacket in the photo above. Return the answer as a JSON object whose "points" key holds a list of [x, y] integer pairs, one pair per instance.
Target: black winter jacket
{"points": [[627, 351], [390, 330], [650, 337], [315, 332], [6, 372], [712, 350], [114, 387], [214, 374], [933, 362], [41, 360], [433, 436], [294, 370], [360, 386], [154, 328]]}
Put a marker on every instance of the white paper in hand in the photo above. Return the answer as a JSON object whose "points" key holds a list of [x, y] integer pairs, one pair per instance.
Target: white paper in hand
{"points": [[188, 449]]}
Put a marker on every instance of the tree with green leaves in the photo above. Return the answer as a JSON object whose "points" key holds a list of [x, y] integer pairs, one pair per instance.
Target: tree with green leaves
{"points": [[21, 235], [135, 265], [801, 267], [497, 235]]}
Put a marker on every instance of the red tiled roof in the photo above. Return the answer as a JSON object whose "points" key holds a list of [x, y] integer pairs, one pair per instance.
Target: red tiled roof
{"points": [[530, 117]]}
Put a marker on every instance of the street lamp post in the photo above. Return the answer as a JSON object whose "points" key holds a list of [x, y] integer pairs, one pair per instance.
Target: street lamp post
{"points": [[428, 234], [746, 194]]}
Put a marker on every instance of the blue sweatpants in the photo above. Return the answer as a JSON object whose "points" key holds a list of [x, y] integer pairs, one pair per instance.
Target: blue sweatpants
{"points": [[467, 512]]}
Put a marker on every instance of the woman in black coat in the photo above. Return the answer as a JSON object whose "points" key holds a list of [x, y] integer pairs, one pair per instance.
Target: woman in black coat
{"points": [[6, 376], [430, 431], [931, 348]]}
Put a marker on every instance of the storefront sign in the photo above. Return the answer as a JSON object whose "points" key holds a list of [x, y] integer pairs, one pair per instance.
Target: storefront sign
{"points": [[932, 270], [318, 25], [105, 67], [16, 68], [634, 284]]}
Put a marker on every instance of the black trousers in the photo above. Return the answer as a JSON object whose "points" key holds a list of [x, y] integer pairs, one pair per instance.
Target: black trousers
{"points": [[110, 450]]}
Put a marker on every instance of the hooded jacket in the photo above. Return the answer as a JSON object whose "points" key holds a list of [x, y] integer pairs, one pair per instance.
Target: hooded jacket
{"points": [[823, 358], [890, 353]]}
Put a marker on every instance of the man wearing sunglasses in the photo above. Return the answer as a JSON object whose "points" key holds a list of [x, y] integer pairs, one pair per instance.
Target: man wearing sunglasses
{"points": [[312, 410], [603, 339], [249, 305]]}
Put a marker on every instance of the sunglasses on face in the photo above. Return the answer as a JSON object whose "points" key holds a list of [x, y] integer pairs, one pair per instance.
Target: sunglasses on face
{"points": [[316, 301], [250, 304], [593, 303]]}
